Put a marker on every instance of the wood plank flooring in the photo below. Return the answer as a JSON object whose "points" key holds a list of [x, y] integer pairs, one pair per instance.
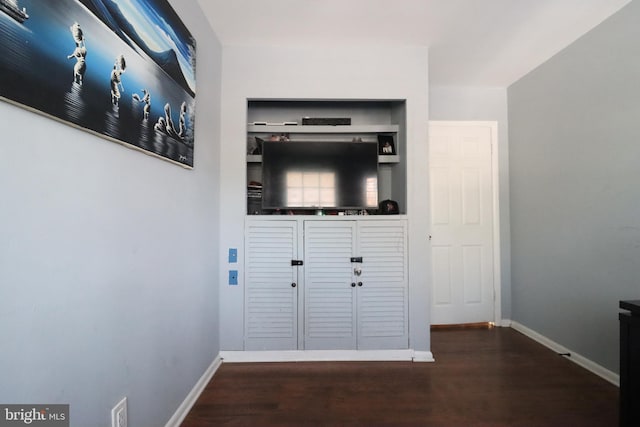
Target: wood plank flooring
{"points": [[481, 377]]}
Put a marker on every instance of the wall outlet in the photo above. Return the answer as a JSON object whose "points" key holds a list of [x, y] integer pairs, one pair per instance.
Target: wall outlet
{"points": [[119, 414]]}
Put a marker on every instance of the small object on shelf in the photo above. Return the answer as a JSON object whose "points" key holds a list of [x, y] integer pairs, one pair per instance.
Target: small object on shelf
{"points": [[257, 123], [254, 198], [326, 121], [254, 145], [388, 207], [386, 146], [283, 137]]}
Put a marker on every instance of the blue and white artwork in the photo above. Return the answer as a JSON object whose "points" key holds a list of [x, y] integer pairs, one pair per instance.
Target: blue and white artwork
{"points": [[122, 69]]}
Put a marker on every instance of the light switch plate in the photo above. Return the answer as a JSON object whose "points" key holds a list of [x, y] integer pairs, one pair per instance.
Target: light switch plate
{"points": [[233, 277]]}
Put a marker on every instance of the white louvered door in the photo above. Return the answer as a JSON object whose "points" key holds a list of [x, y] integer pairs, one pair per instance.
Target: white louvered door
{"points": [[382, 298], [352, 304], [271, 299], [330, 305]]}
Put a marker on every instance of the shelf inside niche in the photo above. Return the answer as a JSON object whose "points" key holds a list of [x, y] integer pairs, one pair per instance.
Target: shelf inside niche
{"points": [[257, 158], [389, 159], [323, 129]]}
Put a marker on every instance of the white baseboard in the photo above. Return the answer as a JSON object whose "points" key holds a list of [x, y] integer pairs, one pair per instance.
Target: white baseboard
{"points": [[325, 356], [505, 323], [423, 356], [576, 358], [184, 408]]}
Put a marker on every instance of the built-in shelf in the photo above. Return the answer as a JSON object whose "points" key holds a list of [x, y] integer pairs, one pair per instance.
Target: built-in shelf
{"points": [[352, 129], [257, 158], [389, 159]]}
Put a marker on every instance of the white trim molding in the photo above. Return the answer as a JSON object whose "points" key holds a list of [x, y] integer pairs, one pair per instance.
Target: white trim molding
{"points": [[184, 408], [505, 323], [423, 356], [326, 356], [576, 358]]}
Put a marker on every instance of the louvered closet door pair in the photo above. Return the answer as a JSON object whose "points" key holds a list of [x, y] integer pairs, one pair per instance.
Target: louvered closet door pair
{"points": [[351, 290], [355, 305]]}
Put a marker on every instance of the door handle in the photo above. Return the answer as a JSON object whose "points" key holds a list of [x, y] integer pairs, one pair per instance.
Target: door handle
{"points": [[293, 285]]}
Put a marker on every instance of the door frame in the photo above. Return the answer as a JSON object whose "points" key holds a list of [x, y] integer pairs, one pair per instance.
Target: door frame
{"points": [[495, 187]]}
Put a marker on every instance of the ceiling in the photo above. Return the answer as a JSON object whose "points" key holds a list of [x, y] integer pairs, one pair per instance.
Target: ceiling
{"points": [[471, 42]]}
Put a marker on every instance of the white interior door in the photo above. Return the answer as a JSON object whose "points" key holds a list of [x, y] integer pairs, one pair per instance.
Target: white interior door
{"points": [[462, 222]]}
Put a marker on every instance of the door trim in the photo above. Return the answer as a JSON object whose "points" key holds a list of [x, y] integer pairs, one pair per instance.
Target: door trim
{"points": [[495, 184]]}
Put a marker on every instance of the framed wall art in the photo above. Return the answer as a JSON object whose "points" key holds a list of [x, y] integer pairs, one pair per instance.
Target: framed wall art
{"points": [[120, 69]]}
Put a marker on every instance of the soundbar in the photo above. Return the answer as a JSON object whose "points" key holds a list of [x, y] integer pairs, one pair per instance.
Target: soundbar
{"points": [[326, 121]]}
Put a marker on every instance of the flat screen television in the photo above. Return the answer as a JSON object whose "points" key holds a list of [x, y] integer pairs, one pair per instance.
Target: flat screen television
{"points": [[319, 175]]}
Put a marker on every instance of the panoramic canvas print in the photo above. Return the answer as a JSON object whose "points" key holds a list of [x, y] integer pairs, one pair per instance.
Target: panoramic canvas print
{"points": [[122, 69]]}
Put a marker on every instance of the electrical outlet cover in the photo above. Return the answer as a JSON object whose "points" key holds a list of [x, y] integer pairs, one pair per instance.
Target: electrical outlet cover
{"points": [[119, 414]]}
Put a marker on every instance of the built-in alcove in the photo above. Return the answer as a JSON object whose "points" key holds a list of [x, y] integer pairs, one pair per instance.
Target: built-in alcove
{"points": [[369, 121]]}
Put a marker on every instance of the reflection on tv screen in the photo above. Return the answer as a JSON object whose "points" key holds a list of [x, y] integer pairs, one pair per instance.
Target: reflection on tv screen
{"points": [[341, 175]]}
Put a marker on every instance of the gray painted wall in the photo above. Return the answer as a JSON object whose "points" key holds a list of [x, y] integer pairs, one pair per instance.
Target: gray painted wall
{"points": [[574, 135], [108, 261], [462, 103]]}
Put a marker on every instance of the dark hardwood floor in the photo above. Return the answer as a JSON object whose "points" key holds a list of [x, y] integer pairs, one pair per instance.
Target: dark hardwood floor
{"points": [[481, 377]]}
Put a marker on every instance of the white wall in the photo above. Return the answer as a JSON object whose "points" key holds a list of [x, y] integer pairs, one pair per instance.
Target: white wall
{"points": [[323, 73], [483, 104], [108, 261], [574, 134]]}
